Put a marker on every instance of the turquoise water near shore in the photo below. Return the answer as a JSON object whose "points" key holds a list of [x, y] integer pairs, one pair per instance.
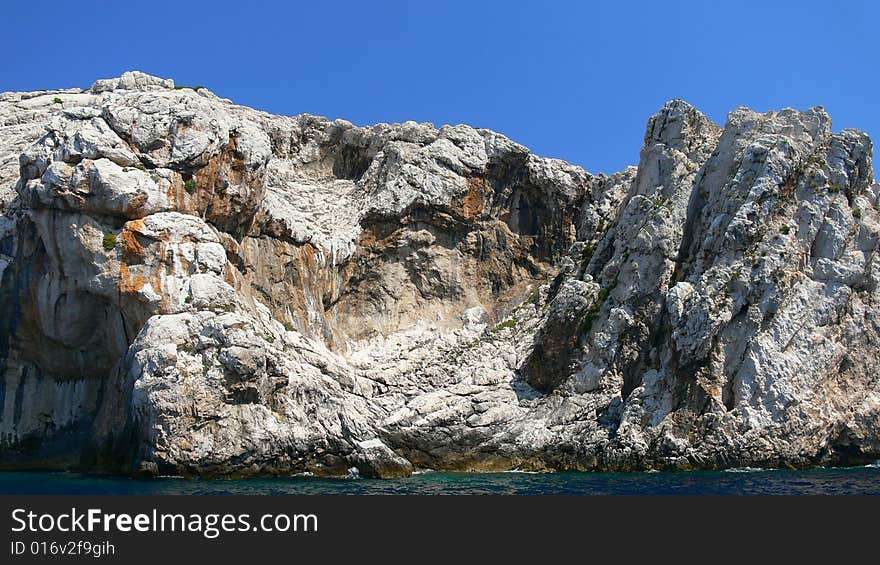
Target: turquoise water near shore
{"points": [[855, 480]]}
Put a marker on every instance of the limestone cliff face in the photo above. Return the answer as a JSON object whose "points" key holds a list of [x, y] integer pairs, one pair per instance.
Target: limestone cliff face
{"points": [[192, 287]]}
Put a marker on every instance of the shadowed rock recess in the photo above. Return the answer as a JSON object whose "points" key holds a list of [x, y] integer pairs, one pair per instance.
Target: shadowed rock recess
{"points": [[197, 288]]}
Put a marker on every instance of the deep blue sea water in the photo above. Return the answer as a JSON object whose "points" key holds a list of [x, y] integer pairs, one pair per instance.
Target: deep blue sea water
{"points": [[856, 480]]}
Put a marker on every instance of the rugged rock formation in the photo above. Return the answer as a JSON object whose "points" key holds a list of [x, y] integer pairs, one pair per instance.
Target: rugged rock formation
{"points": [[192, 287]]}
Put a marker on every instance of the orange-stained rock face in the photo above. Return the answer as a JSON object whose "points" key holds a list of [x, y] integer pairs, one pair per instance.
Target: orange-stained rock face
{"points": [[132, 250], [473, 203], [128, 283], [230, 190]]}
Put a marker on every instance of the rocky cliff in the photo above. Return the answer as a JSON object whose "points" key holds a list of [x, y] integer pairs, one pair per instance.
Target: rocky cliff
{"points": [[192, 287]]}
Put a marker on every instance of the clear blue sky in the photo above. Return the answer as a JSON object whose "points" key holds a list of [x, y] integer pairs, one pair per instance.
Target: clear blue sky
{"points": [[574, 80]]}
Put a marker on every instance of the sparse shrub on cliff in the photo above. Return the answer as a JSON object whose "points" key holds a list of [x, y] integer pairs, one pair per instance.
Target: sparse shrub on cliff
{"points": [[593, 313], [857, 213], [109, 241], [504, 325], [834, 188], [591, 317], [190, 186], [58, 101], [587, 255]]}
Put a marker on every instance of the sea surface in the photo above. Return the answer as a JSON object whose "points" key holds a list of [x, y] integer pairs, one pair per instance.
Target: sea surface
{"points": [[854, 480]]}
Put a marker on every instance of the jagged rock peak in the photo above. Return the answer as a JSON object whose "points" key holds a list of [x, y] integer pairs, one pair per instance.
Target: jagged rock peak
{"points": [[132, 80]]}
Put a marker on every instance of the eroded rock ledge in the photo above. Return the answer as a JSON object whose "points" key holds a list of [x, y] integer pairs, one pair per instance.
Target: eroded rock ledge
{"points": [[192, 287]]}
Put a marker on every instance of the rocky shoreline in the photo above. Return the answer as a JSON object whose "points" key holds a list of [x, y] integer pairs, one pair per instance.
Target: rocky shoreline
{"points": [[192, 287]]}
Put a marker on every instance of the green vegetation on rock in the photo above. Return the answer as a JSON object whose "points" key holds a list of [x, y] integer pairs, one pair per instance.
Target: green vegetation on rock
{"points": [[109, 241]]}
